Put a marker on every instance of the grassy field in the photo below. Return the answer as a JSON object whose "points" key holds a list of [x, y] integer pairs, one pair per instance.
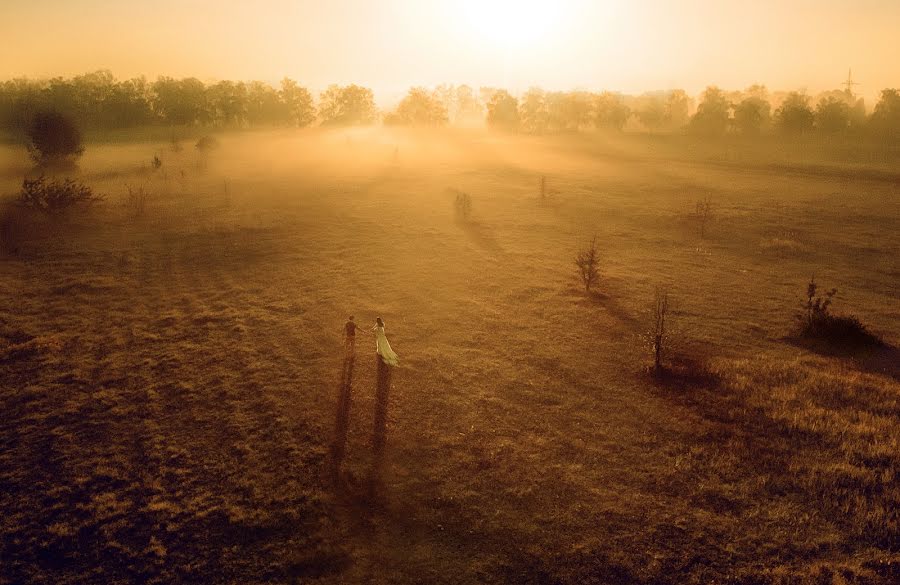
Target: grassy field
{"points": [[169, 380]]}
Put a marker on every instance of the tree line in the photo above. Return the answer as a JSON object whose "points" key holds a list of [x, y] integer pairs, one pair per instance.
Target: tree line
{"points": [[97, 101]]}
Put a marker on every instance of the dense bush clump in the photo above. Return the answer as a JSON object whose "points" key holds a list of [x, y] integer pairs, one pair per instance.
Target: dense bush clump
{"points": [[52, 196], [52, 137], [817, 322]]}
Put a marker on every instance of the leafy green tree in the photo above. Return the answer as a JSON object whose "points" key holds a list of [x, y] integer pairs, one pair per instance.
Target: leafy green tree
{"points": [[795, 116], [347, 106], [713, 113], [503, 111]]}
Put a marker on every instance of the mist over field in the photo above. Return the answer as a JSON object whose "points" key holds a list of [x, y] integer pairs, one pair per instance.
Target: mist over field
{"points": [[322, 331]]}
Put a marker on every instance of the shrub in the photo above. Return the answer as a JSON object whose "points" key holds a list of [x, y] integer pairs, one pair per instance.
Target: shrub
{"points": [[52, 196], [156, 163], [52, 137], [136, 200], [463, 205], [703, 212], [817, 322], [207, 143], [588, 262]]}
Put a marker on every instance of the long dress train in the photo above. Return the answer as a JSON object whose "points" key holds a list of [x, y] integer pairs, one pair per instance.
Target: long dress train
{"points": [[383, 348]]}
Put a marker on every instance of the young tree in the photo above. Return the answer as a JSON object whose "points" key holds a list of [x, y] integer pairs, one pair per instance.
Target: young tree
{"points": [[794, 116], [588, 262], [503, 111], [658, 332]]}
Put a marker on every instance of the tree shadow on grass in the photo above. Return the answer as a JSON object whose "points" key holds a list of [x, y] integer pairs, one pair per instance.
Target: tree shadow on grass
{"points": [[877, 358]]}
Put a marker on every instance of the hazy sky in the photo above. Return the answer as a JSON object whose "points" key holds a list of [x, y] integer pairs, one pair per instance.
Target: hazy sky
{"points": [[630, 46]]}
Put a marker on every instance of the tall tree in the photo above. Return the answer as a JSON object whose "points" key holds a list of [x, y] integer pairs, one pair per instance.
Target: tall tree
{"points": [[610, 111], [420, 107], [503, 111], [795, 116], [347, 106], [299, 103], [713, 113]]}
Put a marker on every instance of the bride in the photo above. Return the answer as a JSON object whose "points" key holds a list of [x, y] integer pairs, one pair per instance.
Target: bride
{"points": [[382, 347]]}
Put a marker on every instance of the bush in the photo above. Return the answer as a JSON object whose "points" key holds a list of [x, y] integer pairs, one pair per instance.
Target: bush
{"points": [[588, 262], [818, 323], [703, 212], [207, 143], [136, 200], [51, 196], [463, 205], [52, 138]]}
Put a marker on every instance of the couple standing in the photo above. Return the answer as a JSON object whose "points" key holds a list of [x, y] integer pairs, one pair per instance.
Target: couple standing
{"points": [[382, 347]]}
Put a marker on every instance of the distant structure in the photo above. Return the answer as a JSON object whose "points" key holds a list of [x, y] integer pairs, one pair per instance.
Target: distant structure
{"points": [[849, 83]]}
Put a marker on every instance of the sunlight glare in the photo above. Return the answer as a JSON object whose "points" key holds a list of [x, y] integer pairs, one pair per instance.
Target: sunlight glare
{"points": [[512, 24]]}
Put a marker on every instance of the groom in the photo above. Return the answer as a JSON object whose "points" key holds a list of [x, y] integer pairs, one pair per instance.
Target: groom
{"points": [[350, 329]]}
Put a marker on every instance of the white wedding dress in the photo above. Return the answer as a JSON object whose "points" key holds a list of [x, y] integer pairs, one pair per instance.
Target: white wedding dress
{"points": [[383, 348]]}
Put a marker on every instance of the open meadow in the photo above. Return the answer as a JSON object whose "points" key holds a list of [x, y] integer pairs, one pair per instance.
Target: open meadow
{"points": [[171, 364]]}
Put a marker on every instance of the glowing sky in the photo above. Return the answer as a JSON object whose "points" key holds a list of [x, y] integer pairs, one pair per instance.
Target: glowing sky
{"points": [[630, 46]]}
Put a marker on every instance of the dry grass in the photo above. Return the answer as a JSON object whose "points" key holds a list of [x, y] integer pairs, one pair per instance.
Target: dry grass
{"points": [[169, 386]]}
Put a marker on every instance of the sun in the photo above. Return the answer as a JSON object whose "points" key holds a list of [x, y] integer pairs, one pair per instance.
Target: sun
{"points": [[512, 24]]}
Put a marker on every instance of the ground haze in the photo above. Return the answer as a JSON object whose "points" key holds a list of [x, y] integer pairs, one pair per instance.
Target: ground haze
{"points": [[170, 373]]}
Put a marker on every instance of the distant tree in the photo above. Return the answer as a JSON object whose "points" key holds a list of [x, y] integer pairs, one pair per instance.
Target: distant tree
{"points": [[420, 107], [677, 109], [180, 102], [299, 103], [610, 112], [53, 138], [503, 111], [569, 111], [533, 111], [795, 116], [713, 113], [752, 115], [227, 103], [833, 115], [468, 109], [264, 105], [347, 106], [650, 110], [885, 118]]}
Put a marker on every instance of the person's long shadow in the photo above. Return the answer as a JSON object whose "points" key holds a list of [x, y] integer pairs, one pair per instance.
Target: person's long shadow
{"points": [[342, 417], [379, 431]]}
